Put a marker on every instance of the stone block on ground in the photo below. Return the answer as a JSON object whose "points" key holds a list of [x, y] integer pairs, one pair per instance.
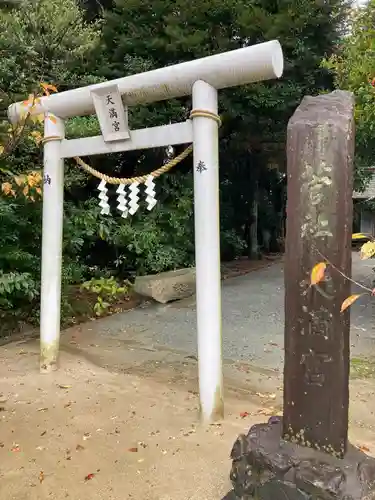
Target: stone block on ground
{"points": [[267, 467], [168, 286]]}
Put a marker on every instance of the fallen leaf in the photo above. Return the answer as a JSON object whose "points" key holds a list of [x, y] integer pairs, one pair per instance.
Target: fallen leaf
{"points": [[89, 476], [268, 412], [15, 448], [367, 250], [42, 409], [192, 357], [41, 476], [244, 414], [79, 447], [63, 386], [364, 448], [43, 433], [133, 450], [189, 432], [317, 273], [349, 301], [266, 396]]}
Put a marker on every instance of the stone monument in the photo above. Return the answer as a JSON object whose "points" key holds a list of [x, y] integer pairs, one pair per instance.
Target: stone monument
{"points": [[305, 455]]}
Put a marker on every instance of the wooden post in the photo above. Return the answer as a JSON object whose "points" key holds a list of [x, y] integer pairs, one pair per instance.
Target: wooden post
{"points": [[320, 153]]}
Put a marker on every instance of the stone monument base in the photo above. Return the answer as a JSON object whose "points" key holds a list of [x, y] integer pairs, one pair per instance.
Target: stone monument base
{"points": [[265, 467]]}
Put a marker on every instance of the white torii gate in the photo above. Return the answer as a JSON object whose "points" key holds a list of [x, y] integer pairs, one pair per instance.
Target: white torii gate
{"points": [[202, 79]]}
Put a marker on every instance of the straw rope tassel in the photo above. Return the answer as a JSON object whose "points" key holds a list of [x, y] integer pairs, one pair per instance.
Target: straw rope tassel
{"points": [[131, 205]]}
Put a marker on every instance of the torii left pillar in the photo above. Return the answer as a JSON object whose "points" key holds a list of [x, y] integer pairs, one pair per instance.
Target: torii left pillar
{"points": [[52, 232]]}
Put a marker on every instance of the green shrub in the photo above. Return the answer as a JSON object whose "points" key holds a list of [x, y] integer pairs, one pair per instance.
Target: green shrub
{"points": [[107, 291]]}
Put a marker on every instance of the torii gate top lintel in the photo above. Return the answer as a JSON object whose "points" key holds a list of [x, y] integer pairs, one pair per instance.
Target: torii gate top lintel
{"points": [[255, 63]]}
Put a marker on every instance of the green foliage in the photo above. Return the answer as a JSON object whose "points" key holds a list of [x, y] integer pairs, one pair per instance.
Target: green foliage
{"points": [[147, 242], [18, 294], [19, 259], [42, 40], [137, 38], [82, 126], [16, 286], [51, 41], [354, 69], [107, 292]]}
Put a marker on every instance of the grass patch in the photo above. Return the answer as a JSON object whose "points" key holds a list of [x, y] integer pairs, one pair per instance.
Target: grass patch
{"points": [[362, 368]]}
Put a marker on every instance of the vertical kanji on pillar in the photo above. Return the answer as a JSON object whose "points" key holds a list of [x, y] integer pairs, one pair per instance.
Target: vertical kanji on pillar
{"points": [[320, 153]]}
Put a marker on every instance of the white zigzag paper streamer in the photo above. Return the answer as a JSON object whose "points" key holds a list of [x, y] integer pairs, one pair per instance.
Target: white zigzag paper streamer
{"points": [[122, 201], [103, 198], [133, 198], [150, 191]]}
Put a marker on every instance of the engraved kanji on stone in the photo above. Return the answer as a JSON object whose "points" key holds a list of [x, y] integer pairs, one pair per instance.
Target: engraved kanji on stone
{"points": [[314, 373], [319, 323]]}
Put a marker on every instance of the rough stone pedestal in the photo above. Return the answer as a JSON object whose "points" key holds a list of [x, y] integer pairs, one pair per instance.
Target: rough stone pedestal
{"points": [[265, 467]]}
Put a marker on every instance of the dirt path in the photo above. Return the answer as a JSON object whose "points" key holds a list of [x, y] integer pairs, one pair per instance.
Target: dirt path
{"points": [[87, 433], [128, 431]]}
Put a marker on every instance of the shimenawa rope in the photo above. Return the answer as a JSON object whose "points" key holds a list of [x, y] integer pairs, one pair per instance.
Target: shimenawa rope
{"points": [[155, 173]]}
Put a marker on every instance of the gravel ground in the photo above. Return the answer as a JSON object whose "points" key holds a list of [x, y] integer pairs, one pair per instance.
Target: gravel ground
{"points": [[119, 418], [253, 316]]}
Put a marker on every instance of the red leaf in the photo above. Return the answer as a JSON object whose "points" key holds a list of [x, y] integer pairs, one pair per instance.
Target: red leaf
{"points": [[89, 476], [133, 450], [244, 414]]}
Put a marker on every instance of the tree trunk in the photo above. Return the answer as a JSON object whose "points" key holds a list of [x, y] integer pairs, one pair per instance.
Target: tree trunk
{"points": [[253, 247]]}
